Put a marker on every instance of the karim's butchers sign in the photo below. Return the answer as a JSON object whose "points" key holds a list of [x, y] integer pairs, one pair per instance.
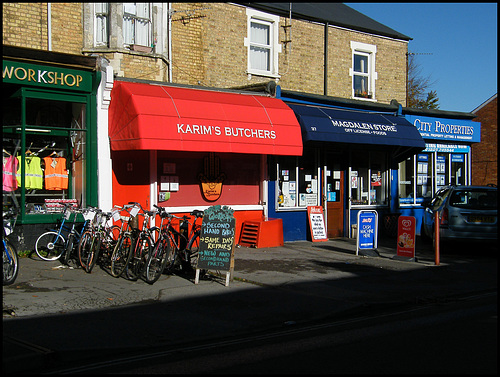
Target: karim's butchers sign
{"points": [[46, 76], [196, 129]]}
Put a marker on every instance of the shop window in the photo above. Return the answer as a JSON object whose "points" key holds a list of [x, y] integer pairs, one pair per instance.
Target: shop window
{"points": [[406, 181], [298, 184], [369, 183], [458, 169], [262, 43], [363, 70], [137, 24], [434, 170], [442, 170], [424, 177], [46, 145], [101, 18]]}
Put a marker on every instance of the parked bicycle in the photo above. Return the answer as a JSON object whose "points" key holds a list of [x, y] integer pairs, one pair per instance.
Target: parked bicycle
{"points": [[74, 236], [97, 240], [10, 257], [177, 245], [144, 243], [121, 252], [51, 245]]}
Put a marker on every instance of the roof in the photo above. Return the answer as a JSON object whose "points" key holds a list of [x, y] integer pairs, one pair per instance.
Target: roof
{"points": [[484, 103], [337, 14], [290, 95]]}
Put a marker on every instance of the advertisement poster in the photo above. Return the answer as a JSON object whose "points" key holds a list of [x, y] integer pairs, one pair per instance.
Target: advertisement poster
{"points": [[317, 223], [406, 236]]}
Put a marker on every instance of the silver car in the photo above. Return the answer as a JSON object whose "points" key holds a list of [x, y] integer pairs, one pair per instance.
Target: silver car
{"points": [[465, 212]]}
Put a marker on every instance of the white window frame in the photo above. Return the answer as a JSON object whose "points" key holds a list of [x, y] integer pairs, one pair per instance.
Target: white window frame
{"points": [[101, 22], [370, 52], [141, 25], [272, 21]]}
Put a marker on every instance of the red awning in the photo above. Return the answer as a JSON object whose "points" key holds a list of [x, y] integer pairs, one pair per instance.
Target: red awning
{"points": [[154, 117]]}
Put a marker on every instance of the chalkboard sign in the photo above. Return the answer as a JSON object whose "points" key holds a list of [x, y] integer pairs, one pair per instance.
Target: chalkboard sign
{"points": [[216, 239]]}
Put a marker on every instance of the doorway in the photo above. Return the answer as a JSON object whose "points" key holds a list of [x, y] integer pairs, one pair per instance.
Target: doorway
{"points": [[334, 196]]}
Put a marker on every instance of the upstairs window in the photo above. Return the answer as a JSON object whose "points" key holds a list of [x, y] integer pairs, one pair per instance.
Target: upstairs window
{"points": [[262, 44], [363, 70], [137, 24], [101, 17]]}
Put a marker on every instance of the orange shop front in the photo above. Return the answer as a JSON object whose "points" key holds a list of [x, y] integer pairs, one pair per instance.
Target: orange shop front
{"points": [[185, 148]]}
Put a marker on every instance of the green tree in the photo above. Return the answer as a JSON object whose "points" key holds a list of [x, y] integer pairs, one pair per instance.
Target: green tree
{"points": [[418, 96]]}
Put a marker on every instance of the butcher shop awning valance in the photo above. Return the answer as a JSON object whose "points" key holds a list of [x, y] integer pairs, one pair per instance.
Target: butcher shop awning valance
{"points": [[156, 117]]}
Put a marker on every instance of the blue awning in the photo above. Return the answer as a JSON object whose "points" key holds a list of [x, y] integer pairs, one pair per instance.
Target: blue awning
{"points": [[325, 124]]}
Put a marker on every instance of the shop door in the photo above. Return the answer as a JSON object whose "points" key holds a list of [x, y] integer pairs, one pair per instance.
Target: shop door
{"points": [[335, 202]]}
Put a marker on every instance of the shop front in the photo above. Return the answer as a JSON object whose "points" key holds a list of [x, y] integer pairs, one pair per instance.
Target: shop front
{"points": [[185, 148], [350, 153], [49, 135], [446, 160]]}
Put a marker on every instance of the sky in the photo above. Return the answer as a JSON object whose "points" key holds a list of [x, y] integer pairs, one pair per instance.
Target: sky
{"points": [[462, 38]]}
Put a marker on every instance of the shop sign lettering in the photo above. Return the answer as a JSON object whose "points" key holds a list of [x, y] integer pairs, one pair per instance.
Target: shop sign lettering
{"points": [[197, 129], [447, 129], [30, 74], [365, 128]]}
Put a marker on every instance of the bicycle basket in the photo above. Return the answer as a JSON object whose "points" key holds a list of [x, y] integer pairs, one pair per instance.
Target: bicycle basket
{"points": [[134, 222]]}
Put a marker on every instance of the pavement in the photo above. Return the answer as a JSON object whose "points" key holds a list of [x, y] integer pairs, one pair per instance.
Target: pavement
{"points": [[54, 313]]}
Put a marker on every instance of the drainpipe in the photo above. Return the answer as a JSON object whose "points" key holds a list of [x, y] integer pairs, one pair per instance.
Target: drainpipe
{"points": [[325, 74], [49, 26], [169, 25]]}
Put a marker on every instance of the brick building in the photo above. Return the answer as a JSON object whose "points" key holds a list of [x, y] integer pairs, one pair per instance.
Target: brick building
{"points": [[485, 153], [260, 57]]}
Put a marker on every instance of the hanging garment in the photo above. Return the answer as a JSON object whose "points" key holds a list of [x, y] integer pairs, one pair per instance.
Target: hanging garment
{"points": [[10, 165], [33, 174], [56, 174]]}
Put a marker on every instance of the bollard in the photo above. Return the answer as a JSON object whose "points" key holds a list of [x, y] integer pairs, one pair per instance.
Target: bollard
{"points": [[436, 238]]}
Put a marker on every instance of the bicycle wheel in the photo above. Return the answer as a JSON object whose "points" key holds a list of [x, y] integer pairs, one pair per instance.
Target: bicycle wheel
{"points": [[157, 261], [50, 246], [84, 247], [10, 263], [120, 256], [192, 249], [94, 252], [139, 257], [68, 249]]}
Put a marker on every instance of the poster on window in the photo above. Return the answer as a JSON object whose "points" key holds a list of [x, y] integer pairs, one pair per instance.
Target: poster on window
{"points": [[376, 179]]}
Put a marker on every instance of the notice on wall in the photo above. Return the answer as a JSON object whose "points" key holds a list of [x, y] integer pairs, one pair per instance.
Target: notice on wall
{"points": [[216, 251], [317, 223]]}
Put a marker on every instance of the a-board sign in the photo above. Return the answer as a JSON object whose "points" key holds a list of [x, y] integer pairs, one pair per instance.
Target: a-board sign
{"points": [[367, 233], [406, 236], [317, 223], [216, 239]]}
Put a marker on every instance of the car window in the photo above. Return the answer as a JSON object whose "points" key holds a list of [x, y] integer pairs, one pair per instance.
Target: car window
{"points": [[477, 198], [439, 198]]}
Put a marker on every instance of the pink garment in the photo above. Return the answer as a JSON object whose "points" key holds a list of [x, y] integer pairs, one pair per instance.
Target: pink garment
{"points": [[10, 165]]}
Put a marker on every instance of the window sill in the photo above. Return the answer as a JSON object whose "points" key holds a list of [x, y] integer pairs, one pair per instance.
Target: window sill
{"points": [[262, 74]]}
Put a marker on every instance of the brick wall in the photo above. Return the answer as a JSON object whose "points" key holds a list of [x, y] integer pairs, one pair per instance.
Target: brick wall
{"points": [[26, 25], [484, 154], [209, 50]]}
